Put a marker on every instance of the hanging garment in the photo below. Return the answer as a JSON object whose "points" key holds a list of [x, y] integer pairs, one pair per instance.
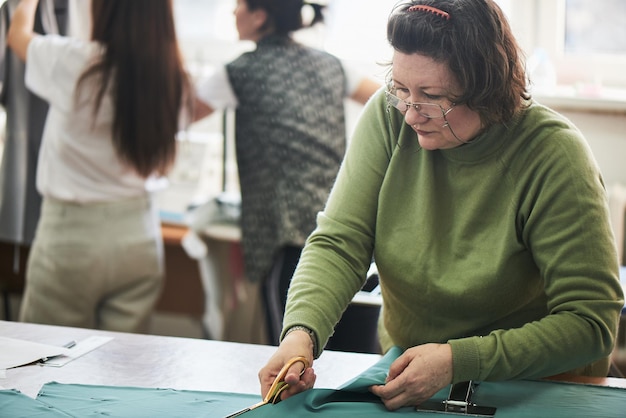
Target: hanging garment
{"points": [[25, 117]]}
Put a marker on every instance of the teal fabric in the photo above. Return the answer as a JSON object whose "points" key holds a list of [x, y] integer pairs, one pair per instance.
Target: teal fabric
{"points": [[119, 401], [517, 399], [15, 404], [375, 375]]}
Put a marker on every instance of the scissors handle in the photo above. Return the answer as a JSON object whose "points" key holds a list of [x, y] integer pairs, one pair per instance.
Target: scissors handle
{"points": [[279, 385]]}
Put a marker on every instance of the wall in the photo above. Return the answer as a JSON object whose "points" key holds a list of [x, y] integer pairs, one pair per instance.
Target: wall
{"points": [[606, 134]]}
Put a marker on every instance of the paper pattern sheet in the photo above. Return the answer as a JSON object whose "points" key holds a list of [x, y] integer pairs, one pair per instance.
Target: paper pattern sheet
{"points": [[81, 348], [14, 352]]}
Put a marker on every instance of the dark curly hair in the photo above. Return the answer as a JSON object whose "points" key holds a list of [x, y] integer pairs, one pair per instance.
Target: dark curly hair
{"points": [[478, 46]]}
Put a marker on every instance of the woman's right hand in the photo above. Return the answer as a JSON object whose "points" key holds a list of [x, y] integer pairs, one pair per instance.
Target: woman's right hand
{"points": [[296, 343]]}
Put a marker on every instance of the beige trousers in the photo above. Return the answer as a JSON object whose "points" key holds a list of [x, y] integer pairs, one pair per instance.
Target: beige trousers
{"points": [[95, 265]]}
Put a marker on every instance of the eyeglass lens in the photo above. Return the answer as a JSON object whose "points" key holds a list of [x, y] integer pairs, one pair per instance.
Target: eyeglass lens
{"points": [[427, 110]]}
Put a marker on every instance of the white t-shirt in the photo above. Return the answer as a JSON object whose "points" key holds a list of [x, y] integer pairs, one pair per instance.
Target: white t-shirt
{"points": [[77, 160]]}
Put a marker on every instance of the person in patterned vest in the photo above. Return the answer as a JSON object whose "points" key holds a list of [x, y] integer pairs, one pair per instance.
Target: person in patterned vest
{"points": [[290, 138]]}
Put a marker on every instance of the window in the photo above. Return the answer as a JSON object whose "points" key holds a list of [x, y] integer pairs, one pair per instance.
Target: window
{"points": [[357, 32], [584, 34], [206, 31], [584, 39]]}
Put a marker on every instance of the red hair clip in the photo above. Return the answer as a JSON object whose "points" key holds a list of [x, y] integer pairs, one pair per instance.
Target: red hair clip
{"points": [[430, 9]]}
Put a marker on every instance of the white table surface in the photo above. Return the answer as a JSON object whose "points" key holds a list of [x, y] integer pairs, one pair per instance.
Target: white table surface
{"points": [[164, 362]]}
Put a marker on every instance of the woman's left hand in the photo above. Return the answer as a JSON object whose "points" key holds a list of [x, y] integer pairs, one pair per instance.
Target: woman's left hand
{"points": [[416, 376]]}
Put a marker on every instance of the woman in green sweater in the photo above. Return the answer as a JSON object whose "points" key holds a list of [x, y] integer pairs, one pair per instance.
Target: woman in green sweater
{"points": [[485, 212]]}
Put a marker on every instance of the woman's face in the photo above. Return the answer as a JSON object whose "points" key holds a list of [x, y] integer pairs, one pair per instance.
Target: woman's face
{"points": [[248, 21], [420, 79]]}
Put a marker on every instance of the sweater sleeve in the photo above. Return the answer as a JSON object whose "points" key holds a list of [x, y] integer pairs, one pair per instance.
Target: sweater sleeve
{"points": [[338, 253], [563, 220]]}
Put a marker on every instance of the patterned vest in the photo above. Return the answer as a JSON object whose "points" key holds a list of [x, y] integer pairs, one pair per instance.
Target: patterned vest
{"points": [[290, 140]]}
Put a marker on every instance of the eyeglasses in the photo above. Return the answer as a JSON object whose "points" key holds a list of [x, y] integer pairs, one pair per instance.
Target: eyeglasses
{"points": [[427, 110]]}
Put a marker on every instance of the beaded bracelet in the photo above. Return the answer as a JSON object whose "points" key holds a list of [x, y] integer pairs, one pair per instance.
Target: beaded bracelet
{"points": [[308, 331]]}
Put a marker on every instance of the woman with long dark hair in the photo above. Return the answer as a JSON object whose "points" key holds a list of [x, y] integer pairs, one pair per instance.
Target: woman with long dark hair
{"points": [[115, 106]]}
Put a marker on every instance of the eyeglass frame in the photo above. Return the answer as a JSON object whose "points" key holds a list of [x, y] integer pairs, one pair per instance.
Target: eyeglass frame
{"points": [[415, 105]]}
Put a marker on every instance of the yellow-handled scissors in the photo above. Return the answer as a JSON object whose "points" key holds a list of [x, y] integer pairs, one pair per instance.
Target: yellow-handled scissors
{"points": [[278, 386]]}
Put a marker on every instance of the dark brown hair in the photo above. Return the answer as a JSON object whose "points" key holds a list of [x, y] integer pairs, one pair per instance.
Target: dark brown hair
{"points": [[478, 46], [285, 16], [142, 67]]}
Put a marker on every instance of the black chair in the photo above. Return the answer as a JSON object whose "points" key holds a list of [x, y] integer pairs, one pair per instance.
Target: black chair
{"points": [[13, 259], [357, 329]]}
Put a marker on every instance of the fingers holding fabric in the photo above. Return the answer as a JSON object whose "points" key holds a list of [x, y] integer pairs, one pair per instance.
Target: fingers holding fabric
{"points": [[416, 376]]}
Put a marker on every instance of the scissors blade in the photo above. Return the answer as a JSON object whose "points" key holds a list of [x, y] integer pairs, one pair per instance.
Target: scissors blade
{"points": [[236, 414], [247, 409]]}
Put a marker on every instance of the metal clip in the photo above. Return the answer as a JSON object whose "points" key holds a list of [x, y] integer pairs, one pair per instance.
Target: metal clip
{"points": [[459, 402]]}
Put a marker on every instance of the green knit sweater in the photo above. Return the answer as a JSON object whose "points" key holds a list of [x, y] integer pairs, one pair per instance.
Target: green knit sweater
{"points": [[502, 247]]}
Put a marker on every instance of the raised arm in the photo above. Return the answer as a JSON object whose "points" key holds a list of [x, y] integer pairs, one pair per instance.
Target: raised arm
{"points": [[21, 30], [366, 88], [201, 109]]}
